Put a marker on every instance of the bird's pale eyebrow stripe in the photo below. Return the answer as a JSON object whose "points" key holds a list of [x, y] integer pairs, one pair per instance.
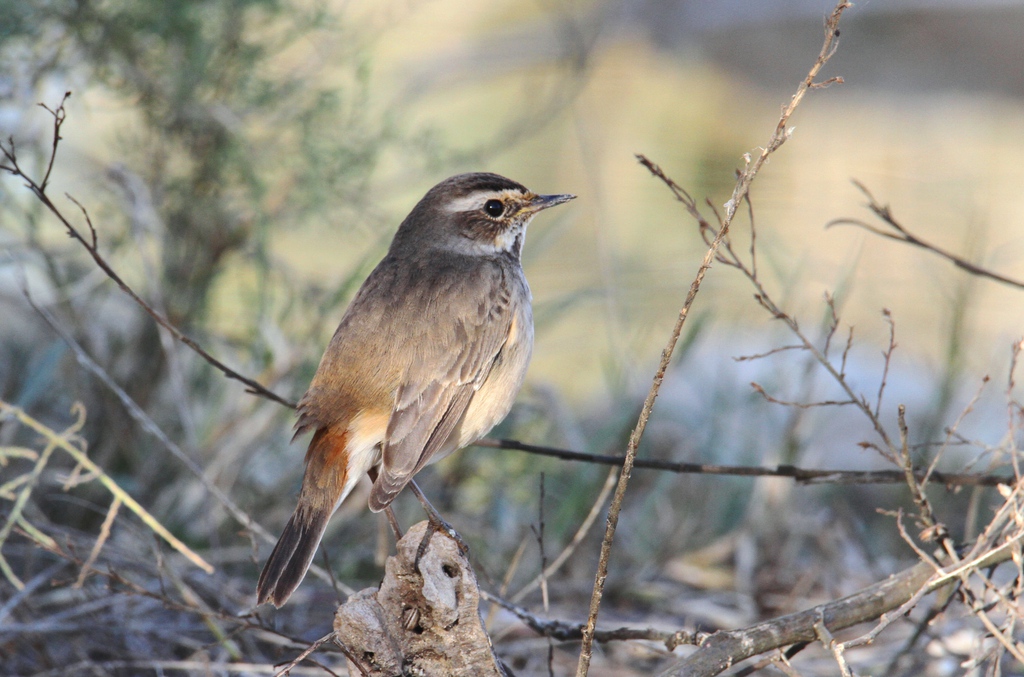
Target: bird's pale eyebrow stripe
{"points": [[476, 200]]}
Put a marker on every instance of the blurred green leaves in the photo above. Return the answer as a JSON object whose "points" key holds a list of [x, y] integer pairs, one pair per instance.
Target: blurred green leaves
{"points": [[237, 127], [232, 120]]}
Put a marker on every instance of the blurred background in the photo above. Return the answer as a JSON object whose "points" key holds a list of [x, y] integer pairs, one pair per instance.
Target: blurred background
{"points": [[246, 162]]}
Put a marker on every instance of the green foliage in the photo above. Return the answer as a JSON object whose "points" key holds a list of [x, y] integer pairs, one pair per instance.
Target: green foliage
{"points": [[227, 144]]}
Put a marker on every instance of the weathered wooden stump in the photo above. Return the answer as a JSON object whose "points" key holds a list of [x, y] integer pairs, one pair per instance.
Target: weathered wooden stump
{"points": [[424, 622]]}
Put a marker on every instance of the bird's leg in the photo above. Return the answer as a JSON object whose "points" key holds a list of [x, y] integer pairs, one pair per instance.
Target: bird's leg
{"points": [[393, 522], [434, 523], [388, 512]]}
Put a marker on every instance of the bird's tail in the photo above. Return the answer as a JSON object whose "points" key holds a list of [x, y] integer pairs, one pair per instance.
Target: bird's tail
{"points": [[324, 486], [292, 556]]}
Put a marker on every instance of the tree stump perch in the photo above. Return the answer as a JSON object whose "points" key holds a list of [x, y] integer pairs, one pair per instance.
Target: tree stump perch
{"points": [[424, 622]]}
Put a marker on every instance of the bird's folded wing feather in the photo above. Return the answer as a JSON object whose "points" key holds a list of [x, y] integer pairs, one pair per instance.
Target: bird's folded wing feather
{"points": [[469, 324]]}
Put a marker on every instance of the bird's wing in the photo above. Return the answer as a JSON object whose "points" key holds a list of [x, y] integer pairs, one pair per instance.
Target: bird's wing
{"points": [[465, 323]]}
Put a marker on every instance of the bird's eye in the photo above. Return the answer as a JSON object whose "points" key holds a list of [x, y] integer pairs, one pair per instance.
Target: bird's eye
{"points": [[494, 208]]}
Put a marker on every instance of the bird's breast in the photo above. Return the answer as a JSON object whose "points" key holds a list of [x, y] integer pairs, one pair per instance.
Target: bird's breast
{"points": [[494, 398]]}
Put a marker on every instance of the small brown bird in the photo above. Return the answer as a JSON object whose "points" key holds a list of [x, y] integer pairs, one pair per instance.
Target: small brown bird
{"points": [[427, 359]]}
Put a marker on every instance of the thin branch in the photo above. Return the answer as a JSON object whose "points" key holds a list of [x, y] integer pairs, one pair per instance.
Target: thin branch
{"points": [[678, 191], [719, 651], [739, 193], [846, 353], [92, 246], [833, 321], [887, 314], [933, 528], [539, 533], [803, 475], [634, 442], [753, 233], [564, 631], [150, 426], [769, 353], [288, 667], [108, 523], [1014, 409], [577, 538], [58, 119], [830, 644], [799, 405], [63, 442], [901, 234]]}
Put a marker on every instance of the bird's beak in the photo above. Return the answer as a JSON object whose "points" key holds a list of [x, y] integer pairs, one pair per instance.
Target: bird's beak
{"points": [[539, 202]]}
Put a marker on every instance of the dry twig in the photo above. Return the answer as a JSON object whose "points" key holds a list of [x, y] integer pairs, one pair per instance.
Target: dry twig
{"points": [[802, 475], [739, 193], [65, 442], [899, 233], [91, 245], [146, 422]]}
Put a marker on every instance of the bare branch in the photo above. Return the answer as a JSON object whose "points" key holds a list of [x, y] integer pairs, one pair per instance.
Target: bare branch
{"points": [[803, 475], [800, 405], [243, 518], [846, 353], [833, 320], [739, 193], [564, 631], [723, 649], [91, 246], [773, 351], [887, 314], [830, 644], [901, 234], [548, 570], [59, 114]]}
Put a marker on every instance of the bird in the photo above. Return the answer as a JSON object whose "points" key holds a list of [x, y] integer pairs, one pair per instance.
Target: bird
{"points": [[427, 358]]}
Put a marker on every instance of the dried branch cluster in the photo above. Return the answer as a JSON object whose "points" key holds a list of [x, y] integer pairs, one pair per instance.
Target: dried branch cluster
{"points": [[116, 589]]}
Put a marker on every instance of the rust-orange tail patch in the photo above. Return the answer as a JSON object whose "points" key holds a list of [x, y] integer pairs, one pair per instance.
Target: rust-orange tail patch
{"points": [[322, 489]]}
